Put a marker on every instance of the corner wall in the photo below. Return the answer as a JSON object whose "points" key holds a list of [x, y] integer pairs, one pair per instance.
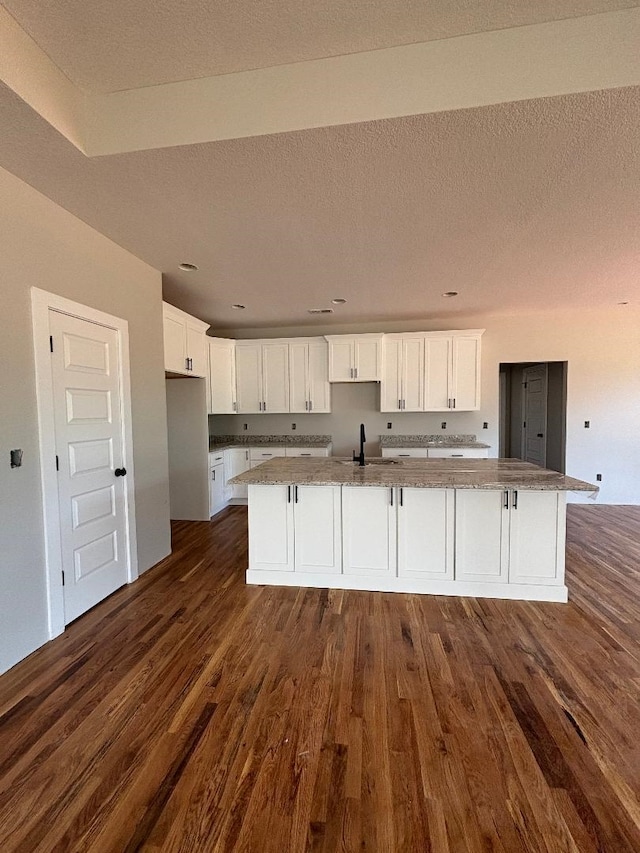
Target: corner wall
{"points": [[42, 245]]}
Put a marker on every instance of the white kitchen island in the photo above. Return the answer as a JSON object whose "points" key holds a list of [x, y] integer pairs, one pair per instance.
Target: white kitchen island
{"points": [[490, 528]]}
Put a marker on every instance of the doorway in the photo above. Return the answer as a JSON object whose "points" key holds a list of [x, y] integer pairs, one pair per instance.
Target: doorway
{"points": [[533, 412], [84, 414]]}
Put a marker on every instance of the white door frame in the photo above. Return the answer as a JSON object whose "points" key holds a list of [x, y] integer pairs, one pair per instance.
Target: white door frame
{"points": [[41, 303]]}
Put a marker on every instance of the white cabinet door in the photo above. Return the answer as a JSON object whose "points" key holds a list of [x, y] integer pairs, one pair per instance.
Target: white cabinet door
{"points": [[217, 500], [369, 531], [437, 361], [318, 378], [271, 535], [405, 452], [175, 356], [222, 376], [465, 373], [341, 355], [425, 533], [298, 377], [368, 359], [458, 453], [482, 535], [412, 374], [249, 378], [537, 537], [236, 461], [390, 386], [197, 350], [317, 529], [275, 377]]}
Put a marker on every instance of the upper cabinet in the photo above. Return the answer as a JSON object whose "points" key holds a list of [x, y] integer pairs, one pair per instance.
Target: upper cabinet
{"points": [[431, 372], [221, 388], [355, 358], [309, 389], [185, 344], [262, 376]]}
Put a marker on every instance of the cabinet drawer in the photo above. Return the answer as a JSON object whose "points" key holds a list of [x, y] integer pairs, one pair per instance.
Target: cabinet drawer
{"points": [[458, 453], [261, 454], [406, 452], [306, 451]]}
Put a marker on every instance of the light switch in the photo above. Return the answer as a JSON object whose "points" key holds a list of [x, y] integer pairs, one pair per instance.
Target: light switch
{"points": [[16, 458]]}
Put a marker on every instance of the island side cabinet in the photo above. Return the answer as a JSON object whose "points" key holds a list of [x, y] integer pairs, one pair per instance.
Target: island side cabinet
{"points": [[481, 542]]}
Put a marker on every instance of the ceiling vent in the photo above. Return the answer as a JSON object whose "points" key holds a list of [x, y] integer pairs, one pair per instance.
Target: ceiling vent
{"points": [[320, 311]]}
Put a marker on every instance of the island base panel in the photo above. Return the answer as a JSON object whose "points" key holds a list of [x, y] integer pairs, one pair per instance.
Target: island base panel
{"points": [[522, 592]]}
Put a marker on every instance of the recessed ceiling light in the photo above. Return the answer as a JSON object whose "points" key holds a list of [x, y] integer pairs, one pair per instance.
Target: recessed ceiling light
{"points": [[320, 311], [450, 293], [187, 267], [338, 301], [238, 306]]}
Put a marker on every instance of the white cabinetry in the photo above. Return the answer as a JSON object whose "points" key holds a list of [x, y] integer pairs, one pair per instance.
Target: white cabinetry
{"points": [[236, 461], [185, 347], [452, 371], [217, 497], [437, 452], [221, 389], [458, 452], [262, 454], [309, 376], [476, 542], [431, 371], [355, 358], [402, 386], [369, 531], [262, 376], [425, 533], [307, 451], [514, 536], [295, 528], [406, 452]]}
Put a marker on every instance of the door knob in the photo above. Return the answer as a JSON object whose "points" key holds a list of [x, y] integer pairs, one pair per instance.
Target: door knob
{"points": [[120, 472]]}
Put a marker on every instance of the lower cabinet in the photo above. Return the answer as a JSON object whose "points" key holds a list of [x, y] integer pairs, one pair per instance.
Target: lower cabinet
{"points": [[425, 533], [236, 461], [496, 543], [217, 499], [369, 531], [295, 528], [511, 536]]}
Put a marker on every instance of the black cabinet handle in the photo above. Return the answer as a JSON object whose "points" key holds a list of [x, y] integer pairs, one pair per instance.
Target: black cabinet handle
{"points": [[120, 472], [515, 500]]}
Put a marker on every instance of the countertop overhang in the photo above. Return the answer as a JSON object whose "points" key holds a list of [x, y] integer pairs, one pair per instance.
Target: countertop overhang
{"points": [[411, 473]]}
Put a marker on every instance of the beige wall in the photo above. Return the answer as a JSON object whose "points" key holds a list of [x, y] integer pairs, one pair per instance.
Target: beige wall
{"points": [[44, 246], [602, 349]]}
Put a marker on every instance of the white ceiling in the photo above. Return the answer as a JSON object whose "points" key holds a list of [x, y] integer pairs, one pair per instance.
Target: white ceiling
{"points": [[125, 44], [523, 206]]}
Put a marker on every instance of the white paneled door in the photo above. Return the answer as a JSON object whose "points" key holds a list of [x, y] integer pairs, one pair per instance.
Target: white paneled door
{"points": [[87, 401]]}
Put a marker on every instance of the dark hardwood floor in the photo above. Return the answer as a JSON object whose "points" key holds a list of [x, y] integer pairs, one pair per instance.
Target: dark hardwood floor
{"points": [[189, 712]]}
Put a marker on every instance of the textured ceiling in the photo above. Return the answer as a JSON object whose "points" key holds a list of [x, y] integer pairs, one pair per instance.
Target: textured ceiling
{"points": [[126, 44], [520, 207]]}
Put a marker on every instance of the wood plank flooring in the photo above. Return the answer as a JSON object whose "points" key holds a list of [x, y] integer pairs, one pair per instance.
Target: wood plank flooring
{"points": [[189, 712]]}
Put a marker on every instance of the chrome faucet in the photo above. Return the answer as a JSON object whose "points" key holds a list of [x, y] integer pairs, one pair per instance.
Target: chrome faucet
{"points": [[360, 458]]}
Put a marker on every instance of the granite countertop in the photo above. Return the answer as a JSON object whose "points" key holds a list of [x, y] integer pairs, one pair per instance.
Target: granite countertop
{"points": [[412, 473], [431, 441], [221, 442]]}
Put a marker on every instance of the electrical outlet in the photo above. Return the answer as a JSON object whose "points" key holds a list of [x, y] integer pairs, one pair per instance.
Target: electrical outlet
{"points": [[388, 424], [599, 477], [293, 426], [244, 426], [485, 425], [443, 425], [587, 424]]}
